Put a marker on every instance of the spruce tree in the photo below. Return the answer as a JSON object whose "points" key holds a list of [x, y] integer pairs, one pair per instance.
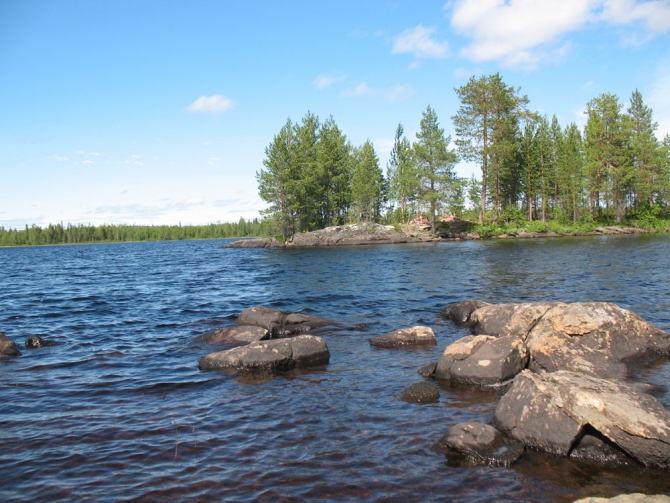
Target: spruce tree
{"points": [[645, 150], [366, 183], [401, 172]]}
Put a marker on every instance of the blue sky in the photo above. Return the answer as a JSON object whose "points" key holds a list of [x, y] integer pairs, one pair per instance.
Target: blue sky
{"points": [[158, 112]]}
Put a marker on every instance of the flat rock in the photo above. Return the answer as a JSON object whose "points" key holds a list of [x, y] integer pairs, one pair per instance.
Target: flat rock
{"points": [[244, 334], [270, 356], [481, 442], [7, 347], [421, 392], [552, 412], [459, 312], [406, 337], [255, 243], [482, 359]]}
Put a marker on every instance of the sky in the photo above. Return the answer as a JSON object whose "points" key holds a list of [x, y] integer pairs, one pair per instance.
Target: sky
{"points": [[159, 112]]}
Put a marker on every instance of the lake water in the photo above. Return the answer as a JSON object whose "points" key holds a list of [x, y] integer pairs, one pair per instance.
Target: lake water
{"points": [[118, 410]]}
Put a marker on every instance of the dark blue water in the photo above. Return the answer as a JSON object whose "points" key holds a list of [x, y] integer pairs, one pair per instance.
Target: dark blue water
{"points": [[118, 410]]}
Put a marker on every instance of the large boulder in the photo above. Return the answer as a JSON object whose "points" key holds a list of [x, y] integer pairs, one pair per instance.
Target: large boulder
{"points": [[593, 338], [406, 337], [508, 319], [480, 442], [280, 323], [7, 347], [353, 234], [255, 243], [556, 411], [270, 356], [482, 359], [459, 312], [244, 334]]}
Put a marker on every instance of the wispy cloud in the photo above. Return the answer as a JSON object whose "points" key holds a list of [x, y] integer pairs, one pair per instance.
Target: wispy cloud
{"points": [[419, 42], [214, 104], [522, 33], [399, 93], [87, 154], [60, 158], [323, 81], [362, 89], [87, 161]]}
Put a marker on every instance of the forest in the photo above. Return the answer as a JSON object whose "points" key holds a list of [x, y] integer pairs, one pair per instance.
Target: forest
{"points": [[530, 167], [76, 234]]}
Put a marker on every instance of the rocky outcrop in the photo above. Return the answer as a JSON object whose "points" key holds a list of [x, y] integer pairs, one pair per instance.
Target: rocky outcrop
{"points": [[482, 359], [244, 334], [480, 442], [596, 338], [406, 337], [7, 347], [341, 235], [556, 411], [421, 392], [349, 235], [459, 312], [270, 356], [255, 243], [280, 323]]}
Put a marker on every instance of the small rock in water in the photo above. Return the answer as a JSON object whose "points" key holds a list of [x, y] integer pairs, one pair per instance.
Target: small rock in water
{"points": [[480, 442], [415, 336], [428, 370], [421, 392], [459, 312], [34, 342], [7, 347]]}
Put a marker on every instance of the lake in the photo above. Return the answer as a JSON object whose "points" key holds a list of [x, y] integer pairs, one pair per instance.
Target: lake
{"points": [[118, 410]]}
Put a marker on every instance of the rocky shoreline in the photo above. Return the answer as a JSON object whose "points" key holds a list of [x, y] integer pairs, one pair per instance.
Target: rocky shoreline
{"points": [[377, 234]]}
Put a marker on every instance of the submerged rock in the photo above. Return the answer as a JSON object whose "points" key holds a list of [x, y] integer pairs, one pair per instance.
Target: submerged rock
{"points": [[7, 347], [480, 442], [255, 243], [406, 337], [421, 392], [270, 356], [555, 411], [482, 359]]}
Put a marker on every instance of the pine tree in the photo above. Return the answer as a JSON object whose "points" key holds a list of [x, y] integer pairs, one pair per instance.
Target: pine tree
{"points": [[276, 182], [645, 150], [334, 174], [366, 183], [307, 186], [401, 172], [571, 171]]}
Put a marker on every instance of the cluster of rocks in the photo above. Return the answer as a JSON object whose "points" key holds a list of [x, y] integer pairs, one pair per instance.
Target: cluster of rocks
{"points": [[271, 340], [570, 394]]}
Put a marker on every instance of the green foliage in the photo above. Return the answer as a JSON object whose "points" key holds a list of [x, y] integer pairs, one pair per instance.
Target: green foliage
{"points": [[366, 184]]}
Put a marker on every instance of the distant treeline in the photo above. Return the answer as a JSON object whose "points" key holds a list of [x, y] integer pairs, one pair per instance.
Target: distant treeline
{"points": [[73, 234]]}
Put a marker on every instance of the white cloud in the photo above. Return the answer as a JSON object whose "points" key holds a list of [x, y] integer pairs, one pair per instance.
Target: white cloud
{"points": [[214, 104], [60, 158], [418, 41], [399, 93], [87, 161], [139, 163], [323, 81], [525, 32], [81, 152], [655, 14], [361, 89], [659, 99]]}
